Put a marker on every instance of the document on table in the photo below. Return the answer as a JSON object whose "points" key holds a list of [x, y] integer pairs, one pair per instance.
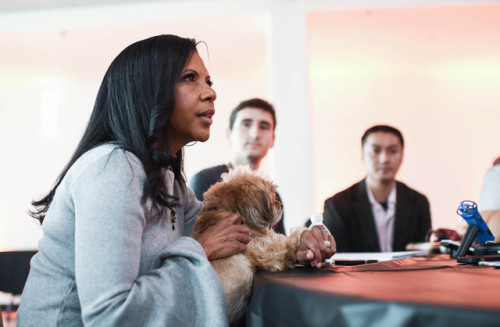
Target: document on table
{"points": [[489, 263], [378, 256]]}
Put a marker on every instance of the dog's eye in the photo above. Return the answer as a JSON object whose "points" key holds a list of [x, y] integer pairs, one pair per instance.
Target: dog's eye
{"points": [[212, 208]]}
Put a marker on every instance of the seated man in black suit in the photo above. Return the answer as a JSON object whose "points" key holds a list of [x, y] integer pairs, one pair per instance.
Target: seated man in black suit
{"points": [[378, 213], [489, 202], [251, 134]]}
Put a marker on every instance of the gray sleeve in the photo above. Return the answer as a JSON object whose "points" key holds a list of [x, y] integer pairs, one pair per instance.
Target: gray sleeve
{"points": [[490, 193], [110, 220]]}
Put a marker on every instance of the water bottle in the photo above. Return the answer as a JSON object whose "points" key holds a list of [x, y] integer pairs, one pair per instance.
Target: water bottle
{"points": [[317, 222]]}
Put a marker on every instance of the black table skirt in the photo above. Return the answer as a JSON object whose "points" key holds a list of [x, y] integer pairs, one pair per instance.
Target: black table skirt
{"points": [[406, 292]]}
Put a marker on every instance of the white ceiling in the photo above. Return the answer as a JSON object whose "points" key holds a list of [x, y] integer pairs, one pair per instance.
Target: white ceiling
{"points": [[20, 5]]}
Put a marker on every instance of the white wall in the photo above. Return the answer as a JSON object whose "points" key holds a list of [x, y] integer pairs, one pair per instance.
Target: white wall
{"points": [[434, 72], [51, 64]]}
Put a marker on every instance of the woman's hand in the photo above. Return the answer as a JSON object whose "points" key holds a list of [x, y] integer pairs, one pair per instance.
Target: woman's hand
{"points": [[226, 238], [313, 247]]}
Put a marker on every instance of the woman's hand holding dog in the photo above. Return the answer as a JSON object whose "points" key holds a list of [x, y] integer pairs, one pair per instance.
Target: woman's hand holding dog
{"points": [[313, 248], [226, 238]]}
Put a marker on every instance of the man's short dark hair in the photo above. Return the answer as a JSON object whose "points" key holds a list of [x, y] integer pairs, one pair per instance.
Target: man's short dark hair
{"points": [[384, 129], [252, 103]]}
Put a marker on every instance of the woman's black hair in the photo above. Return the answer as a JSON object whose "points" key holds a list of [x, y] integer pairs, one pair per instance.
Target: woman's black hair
{"points": [[132, 109]]}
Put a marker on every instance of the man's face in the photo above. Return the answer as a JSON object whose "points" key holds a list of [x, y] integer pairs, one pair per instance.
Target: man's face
{"points": [[252, 134], [382, 155]]}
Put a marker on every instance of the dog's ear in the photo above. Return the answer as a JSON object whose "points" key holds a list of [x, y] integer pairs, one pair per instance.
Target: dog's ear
{"points": [[258, 204], [254, 218], [277, 210]]}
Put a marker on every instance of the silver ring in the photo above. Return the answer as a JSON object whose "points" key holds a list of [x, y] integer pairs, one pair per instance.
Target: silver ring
{"points": [[328, 244]]}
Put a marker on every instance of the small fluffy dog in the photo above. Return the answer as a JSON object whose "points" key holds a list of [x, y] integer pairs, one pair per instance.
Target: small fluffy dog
{"points": [[253, 197]]}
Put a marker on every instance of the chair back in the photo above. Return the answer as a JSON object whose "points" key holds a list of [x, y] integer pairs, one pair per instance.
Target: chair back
{"points": [[14, 269]]}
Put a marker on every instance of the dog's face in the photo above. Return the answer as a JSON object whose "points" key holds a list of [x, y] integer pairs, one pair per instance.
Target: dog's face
{"points": [[246, 193]]}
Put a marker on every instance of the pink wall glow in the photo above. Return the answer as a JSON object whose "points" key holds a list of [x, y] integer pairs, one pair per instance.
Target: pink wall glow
{"points": [[432, 72]]}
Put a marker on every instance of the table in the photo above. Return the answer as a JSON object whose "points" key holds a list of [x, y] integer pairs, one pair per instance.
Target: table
{"points": [[8, 319], [432, 291]]}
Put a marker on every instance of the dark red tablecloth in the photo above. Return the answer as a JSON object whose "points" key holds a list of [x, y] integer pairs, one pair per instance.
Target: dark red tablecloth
{"points": [[435, 291]]}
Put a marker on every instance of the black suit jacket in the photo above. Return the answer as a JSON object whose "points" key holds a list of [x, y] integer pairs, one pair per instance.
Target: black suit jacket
{"points": [[349, 217]]}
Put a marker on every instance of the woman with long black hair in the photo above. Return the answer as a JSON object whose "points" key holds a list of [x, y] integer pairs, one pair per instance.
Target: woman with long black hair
{"points": [[116, 249]]}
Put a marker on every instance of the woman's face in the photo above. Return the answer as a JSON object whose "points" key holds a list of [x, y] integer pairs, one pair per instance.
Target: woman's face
{"points": [[194, 105]]}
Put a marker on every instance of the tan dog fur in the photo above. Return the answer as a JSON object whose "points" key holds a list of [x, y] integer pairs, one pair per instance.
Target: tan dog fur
{"points": [[253, 197]]}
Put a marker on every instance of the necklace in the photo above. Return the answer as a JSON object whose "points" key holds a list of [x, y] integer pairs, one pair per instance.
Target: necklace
{"points": [[173, 217]]}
